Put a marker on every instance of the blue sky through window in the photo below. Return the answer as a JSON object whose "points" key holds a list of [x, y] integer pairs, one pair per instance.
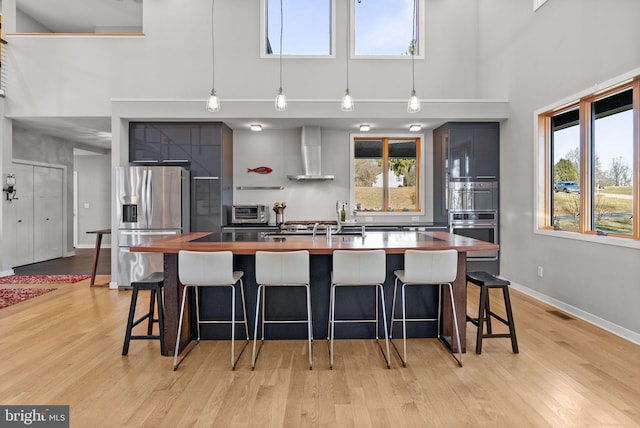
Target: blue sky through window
{"points": [[383, 27], [306, 30], [613, 135]]}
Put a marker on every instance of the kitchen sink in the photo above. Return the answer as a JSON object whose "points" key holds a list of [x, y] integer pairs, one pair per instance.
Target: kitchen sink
{"points": [[308, 233], [319, 233]]}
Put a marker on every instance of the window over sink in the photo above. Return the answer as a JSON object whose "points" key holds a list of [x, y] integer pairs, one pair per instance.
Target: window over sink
{"points": [[386, 174]]}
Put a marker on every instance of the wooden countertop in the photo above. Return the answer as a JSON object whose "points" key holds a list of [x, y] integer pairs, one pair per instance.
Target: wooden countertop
{"points": [[249, 243]]}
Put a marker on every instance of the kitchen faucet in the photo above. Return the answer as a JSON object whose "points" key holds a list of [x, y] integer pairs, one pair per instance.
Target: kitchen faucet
{"points": [[339, 216]]}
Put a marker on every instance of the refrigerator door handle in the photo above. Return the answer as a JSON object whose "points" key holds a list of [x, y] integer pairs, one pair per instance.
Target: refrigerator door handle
{"points": [[148, 197]]}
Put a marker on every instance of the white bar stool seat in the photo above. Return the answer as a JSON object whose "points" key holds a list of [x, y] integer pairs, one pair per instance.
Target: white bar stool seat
{"points": [[436, 268], [358, 268], [281, 269], [210, 269]]}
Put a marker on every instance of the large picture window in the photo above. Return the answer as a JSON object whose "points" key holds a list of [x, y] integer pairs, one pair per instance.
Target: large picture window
{"points": [[591, 171], [386, 174]]}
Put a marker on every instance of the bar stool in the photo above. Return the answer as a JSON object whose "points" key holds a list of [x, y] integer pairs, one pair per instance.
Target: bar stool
{"points": [[154, 284], [281, 269], [486, 281], [210, 269], [359, 268], [434, 268]]}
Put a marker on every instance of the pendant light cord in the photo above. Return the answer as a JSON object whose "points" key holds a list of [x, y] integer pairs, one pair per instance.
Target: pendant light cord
{"points": [[414, 45], [348, 38], [213, 49], [281, 27]]}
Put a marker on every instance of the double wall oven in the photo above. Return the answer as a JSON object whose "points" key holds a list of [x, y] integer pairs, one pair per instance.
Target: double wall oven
{"points": [[473, 212]]}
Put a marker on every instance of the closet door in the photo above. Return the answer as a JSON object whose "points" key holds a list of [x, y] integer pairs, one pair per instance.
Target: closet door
{"points": [[24, 214], [47, 213]]}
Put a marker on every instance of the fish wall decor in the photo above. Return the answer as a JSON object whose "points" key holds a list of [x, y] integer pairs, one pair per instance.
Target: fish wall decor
{"points": [[260, 170]]}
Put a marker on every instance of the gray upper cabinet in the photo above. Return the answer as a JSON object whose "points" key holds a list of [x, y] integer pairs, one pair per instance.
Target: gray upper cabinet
{"points": [[206, 149], [473, 151], [160, 143]]}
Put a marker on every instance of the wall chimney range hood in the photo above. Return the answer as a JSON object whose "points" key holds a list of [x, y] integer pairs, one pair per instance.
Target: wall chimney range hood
{"points": [[311, 148]]}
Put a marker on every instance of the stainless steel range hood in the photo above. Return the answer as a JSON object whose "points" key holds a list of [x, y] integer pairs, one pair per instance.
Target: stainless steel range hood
{"points": [[311, 148]]}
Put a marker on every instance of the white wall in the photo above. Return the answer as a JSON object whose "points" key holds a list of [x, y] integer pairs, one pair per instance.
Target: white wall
{"points": [[538, 59], [307, 200], [173, 61], [6, 219], [94, 197], [24, 22]]}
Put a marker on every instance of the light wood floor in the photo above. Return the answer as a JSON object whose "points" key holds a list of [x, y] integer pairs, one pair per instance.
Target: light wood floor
{"points": [[64, 348]]}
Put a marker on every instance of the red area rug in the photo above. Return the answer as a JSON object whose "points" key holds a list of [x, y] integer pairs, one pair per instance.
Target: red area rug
{"points": [[10, 296], [42, 279]]}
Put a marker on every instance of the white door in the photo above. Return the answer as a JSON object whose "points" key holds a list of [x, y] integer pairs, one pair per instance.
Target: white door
{"points": [[47, 212], [24, 214]]}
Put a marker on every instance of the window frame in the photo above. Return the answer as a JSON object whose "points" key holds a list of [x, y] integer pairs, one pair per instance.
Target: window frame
{"points": [[543, 191], [263, 36], [420, 173], [420, 28]]}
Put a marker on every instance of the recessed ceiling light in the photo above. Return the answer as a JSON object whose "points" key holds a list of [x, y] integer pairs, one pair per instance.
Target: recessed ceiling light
{"points": [[365, 127], [256, 127], [415, 128]]}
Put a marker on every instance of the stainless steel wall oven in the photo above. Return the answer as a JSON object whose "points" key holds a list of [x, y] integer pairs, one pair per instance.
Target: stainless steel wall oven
{"points": [[473, 196], [482, 225]]}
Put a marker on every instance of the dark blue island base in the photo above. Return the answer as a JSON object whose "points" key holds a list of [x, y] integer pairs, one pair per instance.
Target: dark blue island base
{"points": [[284, 303]]}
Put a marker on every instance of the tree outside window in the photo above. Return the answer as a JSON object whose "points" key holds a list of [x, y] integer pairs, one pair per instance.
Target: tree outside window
{"points": [[590, 146], [386, 174]]}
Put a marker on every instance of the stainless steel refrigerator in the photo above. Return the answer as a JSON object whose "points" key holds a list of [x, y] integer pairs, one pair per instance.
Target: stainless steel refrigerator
{"points": [[152, 202]]}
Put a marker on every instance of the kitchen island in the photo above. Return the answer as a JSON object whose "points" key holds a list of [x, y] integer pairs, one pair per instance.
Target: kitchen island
{"points": [[245, 244]]}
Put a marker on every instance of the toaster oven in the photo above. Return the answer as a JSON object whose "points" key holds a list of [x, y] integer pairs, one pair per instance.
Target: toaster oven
{"points": [[250, 214]]}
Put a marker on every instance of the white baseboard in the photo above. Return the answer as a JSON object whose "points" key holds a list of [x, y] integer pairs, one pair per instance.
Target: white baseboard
{"points": [[6, 273], [113, 285], [620, 331]]}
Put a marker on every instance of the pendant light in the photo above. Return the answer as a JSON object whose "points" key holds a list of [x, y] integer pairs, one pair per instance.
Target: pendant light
{"points": [[213, 104], [281, 99], [414, 102], [347, 100]]}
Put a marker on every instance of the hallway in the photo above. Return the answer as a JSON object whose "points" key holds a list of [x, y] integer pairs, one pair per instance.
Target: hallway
{"points": [[79, 264]]}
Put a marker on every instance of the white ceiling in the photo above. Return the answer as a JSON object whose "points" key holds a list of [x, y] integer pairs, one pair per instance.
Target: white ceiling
{"points": [[90, 131], [83, 16]]}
